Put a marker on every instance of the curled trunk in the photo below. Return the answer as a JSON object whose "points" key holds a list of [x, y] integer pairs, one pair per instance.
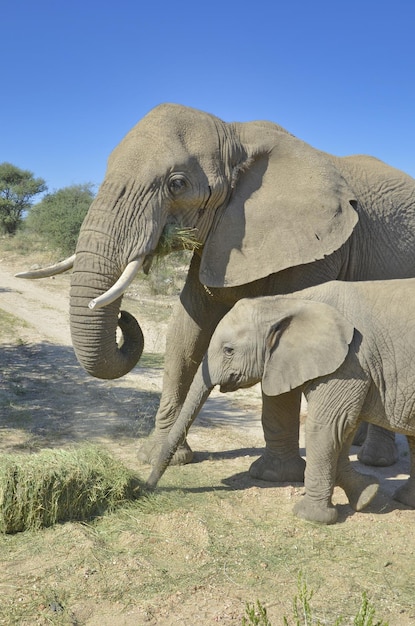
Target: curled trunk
{"points": [[105, 247], [94, 332]]}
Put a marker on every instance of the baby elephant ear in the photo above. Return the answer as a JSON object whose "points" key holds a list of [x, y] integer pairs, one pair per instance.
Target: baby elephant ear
{"points": [[309, 340]]}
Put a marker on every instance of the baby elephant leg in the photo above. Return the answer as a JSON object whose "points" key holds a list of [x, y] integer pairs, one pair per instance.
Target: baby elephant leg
{"points": [[333, 414], [320, 475], [281, 461], [360, 488], [406, 493]]}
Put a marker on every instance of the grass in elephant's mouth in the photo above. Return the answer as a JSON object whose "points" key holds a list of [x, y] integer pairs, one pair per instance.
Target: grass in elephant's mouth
{"points": [[176, 238]]}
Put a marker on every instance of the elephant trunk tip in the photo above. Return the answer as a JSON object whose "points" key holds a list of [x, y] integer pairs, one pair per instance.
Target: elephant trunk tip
{"points": [[157, 472], [152, 480], [165, 456]]}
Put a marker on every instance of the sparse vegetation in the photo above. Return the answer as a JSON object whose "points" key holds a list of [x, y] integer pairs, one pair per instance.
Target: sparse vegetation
{"points": [[366, 614], [170, 261], [256, 614], [24, 245]]}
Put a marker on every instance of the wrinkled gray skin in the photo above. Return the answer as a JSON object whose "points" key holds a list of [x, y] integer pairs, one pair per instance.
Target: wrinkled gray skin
{"points": [[272, 215], [349, 347]]}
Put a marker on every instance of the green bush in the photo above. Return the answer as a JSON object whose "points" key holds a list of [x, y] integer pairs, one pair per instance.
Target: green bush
{"points": [[59, 215]]}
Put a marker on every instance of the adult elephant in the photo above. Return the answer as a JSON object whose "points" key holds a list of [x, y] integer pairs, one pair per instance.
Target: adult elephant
{"points": [[271, 215]]}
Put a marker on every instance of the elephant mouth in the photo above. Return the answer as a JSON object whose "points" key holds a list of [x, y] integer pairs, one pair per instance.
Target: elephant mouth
{"points": [[228, 387], [234, 386]]}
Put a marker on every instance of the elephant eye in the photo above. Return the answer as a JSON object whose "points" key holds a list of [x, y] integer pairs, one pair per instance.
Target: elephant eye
{"points": [[177, 183], [228, 351]]}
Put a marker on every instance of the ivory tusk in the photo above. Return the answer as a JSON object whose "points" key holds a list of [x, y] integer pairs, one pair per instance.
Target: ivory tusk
{"points": [[119, 287], [45, 272]]}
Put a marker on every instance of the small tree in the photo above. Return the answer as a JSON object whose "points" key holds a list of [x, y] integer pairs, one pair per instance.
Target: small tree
{"points": [[59, 215], [17, 190]]}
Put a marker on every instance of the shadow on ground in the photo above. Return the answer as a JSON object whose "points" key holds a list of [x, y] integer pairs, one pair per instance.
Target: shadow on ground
{"points": [[45, 392], [46, 395]]}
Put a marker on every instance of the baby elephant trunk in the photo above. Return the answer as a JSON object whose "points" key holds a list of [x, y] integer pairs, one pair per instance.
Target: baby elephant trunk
{"points": [[197, 396]]}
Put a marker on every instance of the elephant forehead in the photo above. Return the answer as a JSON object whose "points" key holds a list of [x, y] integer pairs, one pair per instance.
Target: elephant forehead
{"points": [[151, 159], [238, 323], [178, 120], [172, 126], [243, 309], [144, 153]]}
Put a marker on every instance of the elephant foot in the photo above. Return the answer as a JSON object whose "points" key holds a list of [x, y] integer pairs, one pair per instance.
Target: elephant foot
{"points": [[360, 490], [272, 468], [406, 493], [151, 448], [379, 449], [312, 511]]}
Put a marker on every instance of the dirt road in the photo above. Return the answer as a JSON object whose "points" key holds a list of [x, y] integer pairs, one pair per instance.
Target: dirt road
{"points": [[44, 309]]}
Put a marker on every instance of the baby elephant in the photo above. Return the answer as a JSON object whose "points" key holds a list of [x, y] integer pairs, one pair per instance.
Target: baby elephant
{"points": [[351, 349]]}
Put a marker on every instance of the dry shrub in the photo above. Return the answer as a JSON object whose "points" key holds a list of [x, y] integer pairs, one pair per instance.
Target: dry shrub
{"points": [[51, 486]]}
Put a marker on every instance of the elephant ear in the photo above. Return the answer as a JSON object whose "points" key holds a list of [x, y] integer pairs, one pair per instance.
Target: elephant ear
{"points": [[289, 206], [309, 340]]}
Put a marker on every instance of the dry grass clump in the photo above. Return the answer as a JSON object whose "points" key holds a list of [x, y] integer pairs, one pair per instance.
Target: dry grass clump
{"points": [[174, 238], [38, 490]]}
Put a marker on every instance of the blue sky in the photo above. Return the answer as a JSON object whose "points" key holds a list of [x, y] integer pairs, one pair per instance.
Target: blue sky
{"points": [[76, 76]]}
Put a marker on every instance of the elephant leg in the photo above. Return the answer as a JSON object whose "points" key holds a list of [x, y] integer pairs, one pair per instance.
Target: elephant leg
{"points": [[194, 320], [281, 461], [360, 489], [360, 434], [379, 448], [334, 407], [320, 474], [406, 493]]}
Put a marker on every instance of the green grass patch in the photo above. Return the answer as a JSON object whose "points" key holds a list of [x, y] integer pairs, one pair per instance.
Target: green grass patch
{"points": [[51, 486]]}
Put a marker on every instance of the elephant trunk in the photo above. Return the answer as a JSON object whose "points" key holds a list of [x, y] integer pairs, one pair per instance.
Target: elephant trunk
{"points": [[94, 332], [197, 396], [111, 247]]}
